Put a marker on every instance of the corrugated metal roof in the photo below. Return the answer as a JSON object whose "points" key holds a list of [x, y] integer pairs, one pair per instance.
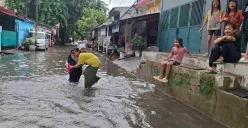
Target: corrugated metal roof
{"points": [[7, 12]]}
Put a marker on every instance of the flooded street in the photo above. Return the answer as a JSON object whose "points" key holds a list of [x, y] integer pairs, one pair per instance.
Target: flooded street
{"points": [[35, 93]]}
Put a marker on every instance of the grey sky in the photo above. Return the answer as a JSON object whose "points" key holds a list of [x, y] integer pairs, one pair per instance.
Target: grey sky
{"points": [[117, 3]]}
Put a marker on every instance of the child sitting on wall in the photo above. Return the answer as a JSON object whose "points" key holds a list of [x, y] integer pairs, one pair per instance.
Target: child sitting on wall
{"points": [[175, 58], [225, 49]]}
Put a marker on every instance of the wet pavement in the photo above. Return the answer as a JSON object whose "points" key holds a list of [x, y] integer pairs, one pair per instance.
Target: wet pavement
{"points": [[35, 93]]}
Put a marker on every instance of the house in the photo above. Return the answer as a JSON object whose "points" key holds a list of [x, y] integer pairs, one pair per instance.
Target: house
{"points": [[16, 27], [23, 26], [104, 36], [117, 14], [144, 21], [184, 19], [9, 35]]}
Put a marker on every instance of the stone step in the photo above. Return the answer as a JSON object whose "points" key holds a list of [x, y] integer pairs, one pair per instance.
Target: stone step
{"points": [[223, 81], [240, 69], [203, 91], [192, 75]]}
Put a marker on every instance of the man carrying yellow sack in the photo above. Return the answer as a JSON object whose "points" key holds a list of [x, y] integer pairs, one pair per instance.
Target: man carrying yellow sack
{"points": [[90, 72]]}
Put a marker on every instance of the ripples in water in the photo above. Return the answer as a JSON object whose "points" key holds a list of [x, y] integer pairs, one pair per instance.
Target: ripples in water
{"points": [[53, 102]]}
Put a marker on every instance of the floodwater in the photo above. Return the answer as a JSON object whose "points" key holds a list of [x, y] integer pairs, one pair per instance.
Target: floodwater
{"points": [[35, 93]]}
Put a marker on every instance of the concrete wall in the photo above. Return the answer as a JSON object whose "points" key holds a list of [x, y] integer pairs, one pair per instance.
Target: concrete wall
{"points": [[240, 69], [201, 91], [23, 28]]}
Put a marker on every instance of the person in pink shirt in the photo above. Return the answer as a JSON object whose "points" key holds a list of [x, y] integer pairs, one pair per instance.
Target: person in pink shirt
{"points": [[175, 58]]}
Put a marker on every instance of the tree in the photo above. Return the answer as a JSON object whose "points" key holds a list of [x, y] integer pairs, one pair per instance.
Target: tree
{"points": [[65, 12], [91, 19]]}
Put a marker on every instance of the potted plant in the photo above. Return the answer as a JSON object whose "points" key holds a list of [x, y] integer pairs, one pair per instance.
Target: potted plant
{"points": [[138, 43], [122, 52], [26, 45], [31, 42]]}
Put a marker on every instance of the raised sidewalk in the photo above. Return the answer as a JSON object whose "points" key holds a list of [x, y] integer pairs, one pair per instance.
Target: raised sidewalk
{"points": [[217, 95]]}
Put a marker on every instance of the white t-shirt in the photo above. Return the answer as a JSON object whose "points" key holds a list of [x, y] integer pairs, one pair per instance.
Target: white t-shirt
{"points": [[81, 46]]}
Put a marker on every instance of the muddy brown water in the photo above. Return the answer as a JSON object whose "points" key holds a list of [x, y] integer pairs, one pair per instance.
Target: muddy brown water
{"points": [[35, 93]]}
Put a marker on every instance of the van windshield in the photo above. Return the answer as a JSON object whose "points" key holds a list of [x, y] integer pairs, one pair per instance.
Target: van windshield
{"points": [[39, 35]]}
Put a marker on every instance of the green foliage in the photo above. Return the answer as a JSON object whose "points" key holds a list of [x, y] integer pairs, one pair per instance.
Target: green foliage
{"points": [[28, 42], [138, 42], [66, 12], [208, 86], [91, 19], [122, 49]]}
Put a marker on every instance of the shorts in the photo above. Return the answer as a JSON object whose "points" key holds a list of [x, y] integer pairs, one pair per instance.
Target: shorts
{"points": [[174, 62], [215, 32]]}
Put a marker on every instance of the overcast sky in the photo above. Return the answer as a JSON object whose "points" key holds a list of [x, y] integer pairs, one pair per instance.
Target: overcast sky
{"points": [[118, 3]]}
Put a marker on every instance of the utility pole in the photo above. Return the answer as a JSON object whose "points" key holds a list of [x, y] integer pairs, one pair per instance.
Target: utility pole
{"points": [[36, 19]]}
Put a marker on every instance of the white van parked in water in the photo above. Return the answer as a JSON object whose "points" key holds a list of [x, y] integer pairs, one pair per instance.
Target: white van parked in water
{"points": [[42, 39]]}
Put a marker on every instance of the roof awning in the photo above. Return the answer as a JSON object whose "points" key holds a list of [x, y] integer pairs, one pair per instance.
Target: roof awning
{"points": [[142, 3], [7, 12]]}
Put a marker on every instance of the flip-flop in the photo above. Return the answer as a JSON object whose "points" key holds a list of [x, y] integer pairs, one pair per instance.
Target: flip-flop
{"points": [[211, 72], [165, 80], [158, 79], [243, 60], [218, 62]]}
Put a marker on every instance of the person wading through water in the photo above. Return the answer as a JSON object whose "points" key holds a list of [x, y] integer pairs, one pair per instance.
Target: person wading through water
{"points": [[90, 72], [74, 74]]}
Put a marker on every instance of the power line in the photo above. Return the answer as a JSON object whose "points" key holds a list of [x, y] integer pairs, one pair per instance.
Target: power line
{"points": [[120, 2]]}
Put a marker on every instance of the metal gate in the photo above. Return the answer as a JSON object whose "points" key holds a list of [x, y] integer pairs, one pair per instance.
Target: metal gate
{"points": [[241, 5], [164, 33], [184, 22]]}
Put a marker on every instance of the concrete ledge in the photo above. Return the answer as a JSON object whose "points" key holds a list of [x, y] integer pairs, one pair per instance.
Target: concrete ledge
{"points": [[240, 69], [204, 92]]}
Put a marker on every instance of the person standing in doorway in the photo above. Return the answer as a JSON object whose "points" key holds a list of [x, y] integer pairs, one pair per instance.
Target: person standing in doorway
{"points": [[92, 44], [213, 22], [114, 48], [245, 30], [235, 16]]}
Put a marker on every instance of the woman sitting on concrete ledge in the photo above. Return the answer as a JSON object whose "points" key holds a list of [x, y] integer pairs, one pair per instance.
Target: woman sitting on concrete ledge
{"points": [[225, 49]]}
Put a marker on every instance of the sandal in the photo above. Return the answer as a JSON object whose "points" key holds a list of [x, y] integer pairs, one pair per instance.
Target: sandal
{"points": [[218, 62], [211, 72], [165, 80]]}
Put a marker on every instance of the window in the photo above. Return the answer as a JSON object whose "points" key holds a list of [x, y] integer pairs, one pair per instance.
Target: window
{"points": [[197, 12], [174, 18], [184, 15]]}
